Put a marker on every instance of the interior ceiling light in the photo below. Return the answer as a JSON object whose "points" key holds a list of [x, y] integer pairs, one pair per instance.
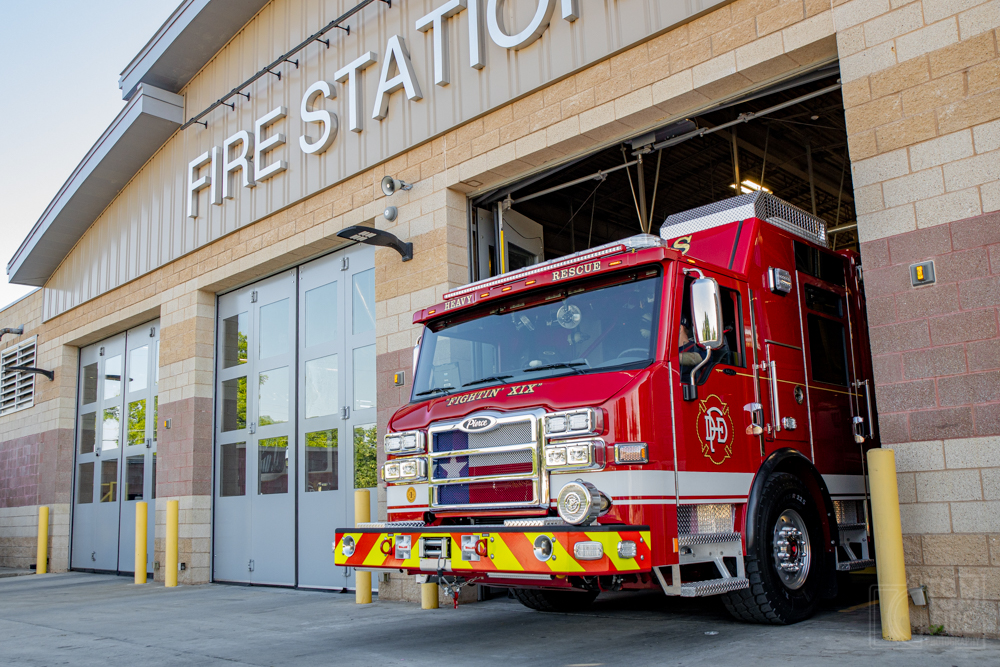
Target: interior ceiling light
{"points": [[748, 186]]}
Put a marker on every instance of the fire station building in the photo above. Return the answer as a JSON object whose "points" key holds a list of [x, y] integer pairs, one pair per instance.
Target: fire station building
{"points": [[213, 335]]}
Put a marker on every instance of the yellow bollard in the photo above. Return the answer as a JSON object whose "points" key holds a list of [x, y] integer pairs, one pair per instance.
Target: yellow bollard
{"points": [[42, 557], [140, 542], [170, 577], [428, 596], [888, 532], [362, 514]]}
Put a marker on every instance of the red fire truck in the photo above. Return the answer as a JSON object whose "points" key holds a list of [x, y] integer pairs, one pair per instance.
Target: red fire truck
{"points": [[686, 412]]}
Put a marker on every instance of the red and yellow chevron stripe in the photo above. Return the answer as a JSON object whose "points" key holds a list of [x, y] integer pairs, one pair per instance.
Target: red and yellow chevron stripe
{"points": [[505, 551]]}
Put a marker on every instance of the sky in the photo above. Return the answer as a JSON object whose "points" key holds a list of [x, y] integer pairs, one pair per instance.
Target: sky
{"points": [[62, 60]]}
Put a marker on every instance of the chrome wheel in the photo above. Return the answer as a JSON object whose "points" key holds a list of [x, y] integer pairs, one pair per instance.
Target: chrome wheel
{"points": [[792, 551]]}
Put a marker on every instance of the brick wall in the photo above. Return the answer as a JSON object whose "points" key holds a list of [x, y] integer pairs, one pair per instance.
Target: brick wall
{"points": [[921, 87]]}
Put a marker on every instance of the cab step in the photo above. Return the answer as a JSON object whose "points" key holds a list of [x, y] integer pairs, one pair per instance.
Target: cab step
{"points": [[852, 565], [697, 589]]}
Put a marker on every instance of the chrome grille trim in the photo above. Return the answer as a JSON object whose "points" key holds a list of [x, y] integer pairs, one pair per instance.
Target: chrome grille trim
{"points": [[517, 435]]}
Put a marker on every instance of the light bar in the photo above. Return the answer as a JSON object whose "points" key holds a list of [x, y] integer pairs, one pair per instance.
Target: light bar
{"points": [[535, 269]]}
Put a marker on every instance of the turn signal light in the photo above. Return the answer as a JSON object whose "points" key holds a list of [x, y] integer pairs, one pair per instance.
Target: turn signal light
{"points": [[631, 452]]}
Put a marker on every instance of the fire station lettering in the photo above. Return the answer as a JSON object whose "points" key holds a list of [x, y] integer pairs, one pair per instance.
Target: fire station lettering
{"points": [[715, 429], [573, 271]]}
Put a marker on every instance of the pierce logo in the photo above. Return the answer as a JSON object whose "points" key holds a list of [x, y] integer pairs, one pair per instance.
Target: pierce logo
{"points": [[478, 424], [715, 429]]}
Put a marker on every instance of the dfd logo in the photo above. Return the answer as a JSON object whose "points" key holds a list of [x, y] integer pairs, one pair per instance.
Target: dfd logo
{"points": [[715, 429]]}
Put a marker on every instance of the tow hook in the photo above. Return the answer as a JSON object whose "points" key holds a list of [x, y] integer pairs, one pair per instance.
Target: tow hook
{"points": [[482, 548], [386, 547]]}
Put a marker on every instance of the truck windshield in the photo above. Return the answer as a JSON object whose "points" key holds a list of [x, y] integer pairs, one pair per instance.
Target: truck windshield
{"points": [[609, 323]]}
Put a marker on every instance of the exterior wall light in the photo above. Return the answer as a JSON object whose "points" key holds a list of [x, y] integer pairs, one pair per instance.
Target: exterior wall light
{"points": [[372, 236]]}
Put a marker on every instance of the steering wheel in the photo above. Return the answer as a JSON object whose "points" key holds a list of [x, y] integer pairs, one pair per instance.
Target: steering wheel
{"points": [[632, 349]]}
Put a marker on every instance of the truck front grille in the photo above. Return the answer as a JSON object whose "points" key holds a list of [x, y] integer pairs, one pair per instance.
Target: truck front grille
{"points": [[492, 468]]}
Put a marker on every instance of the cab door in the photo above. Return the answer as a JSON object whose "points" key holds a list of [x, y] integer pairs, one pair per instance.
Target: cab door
{"points": [[712, 423]]}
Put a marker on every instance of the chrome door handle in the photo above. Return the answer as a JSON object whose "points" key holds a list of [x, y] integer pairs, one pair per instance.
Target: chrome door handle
{"points": [[756, 411], [772, 379]]}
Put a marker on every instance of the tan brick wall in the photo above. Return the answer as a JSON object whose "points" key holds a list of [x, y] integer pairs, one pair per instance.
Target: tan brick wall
{"points": [[921, 88], [19, 536]]}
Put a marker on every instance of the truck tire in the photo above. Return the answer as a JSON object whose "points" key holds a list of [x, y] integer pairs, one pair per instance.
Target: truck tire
{"points": [[786, 565], [546, 600]]}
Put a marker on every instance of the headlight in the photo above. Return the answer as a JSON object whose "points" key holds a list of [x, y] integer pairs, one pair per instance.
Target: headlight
{"points": [[406, 442], [390, 471], [574, 423], [347, 546], [579, 503], [575, 455], [578, 455], [555, 456], [412, 469]]}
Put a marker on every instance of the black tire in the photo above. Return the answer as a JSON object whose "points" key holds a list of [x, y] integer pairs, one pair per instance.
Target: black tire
{"points": [[769, 599], [558, 601]]}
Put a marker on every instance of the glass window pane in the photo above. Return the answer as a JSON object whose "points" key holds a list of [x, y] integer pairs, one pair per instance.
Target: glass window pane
{"points": [[113, 377], [234, 340], [89, 383], [274, 329], [136, 423], [152, 479], [273, 396], [272, 465], [109, 481], [156, 418], [88, 432], [364, 301], [321, 387], [234, 469], [364, 377], [109, 431], [156, 364], [234, 404], [138, 368], [321, 460], [321, 314], [85, 483], [365, 457], [135, 469]]}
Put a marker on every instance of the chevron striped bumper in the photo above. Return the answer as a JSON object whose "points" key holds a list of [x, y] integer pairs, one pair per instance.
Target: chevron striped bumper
{"points": [[470, 550]]}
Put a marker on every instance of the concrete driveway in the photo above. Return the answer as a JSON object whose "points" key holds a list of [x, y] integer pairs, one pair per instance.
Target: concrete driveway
{"points": [[88, 619]]}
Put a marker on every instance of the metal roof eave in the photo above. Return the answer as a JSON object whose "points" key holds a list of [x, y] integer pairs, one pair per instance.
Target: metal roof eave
{"points": [[186, 42], [149, 118]]}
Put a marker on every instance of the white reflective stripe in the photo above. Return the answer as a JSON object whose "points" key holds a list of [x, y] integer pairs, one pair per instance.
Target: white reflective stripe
{"points": [[620, 483], [843, 485], [395, 497], [715, 484]]}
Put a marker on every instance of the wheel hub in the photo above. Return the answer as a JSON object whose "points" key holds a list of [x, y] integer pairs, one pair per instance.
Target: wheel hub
{"points": [[792, 551]]}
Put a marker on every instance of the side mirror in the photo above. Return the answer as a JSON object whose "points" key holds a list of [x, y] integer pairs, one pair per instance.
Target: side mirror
{"points": [[706, 313]]}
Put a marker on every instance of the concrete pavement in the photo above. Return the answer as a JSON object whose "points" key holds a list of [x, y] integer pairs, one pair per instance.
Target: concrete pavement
{"points": [[89, 619]]}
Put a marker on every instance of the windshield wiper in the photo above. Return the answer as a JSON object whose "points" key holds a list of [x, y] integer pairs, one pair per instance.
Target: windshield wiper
{"points": [[446, 390], [571, 365], [491, 378]]}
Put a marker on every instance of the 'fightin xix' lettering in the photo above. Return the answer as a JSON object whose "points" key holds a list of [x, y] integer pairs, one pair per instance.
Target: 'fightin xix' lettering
{"points": [[516, 390]]}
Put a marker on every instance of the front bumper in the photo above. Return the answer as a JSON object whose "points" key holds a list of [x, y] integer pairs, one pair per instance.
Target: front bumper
{"points": [[492, 549]]}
